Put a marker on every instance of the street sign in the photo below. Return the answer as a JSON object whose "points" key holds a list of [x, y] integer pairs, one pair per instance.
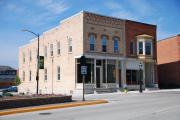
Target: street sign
{"points": [[83, 70], [41, 62]]}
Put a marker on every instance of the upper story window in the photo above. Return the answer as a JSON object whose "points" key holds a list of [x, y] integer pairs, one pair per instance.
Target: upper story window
{"points": [[45, 51], [91, 42], [104, 43], [51, 49], [69, 44], [140, 45], [23, 76], [30, 55], [58, 72], [132, 48], [24, 59], [148, 48], [45, 74], [144, 45], [116, 45], [58, 48], [30, 75]]}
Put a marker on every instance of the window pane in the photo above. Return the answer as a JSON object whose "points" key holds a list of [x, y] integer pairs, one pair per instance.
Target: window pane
{"points": [[140, 47], [79, 76], [111, 72], [90, 71], [104, 44], [128, 77], [116, 47], [51, 47], [148, 48]]}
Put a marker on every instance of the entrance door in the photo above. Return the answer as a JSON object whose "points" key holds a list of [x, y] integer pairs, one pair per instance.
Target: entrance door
{"points": [[98, 76]]}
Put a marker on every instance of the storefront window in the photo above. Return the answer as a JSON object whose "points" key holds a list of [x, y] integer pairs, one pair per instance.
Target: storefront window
{"points": [[111, 71], [132, 77], [90, 71]]}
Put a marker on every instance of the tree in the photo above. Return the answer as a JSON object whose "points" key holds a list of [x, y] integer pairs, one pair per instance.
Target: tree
{"points": [[17, 81]]}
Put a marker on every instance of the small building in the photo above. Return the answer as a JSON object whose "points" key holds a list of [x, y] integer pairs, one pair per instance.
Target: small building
{"points": [[7, 76], [168, 51], [114, 48]]}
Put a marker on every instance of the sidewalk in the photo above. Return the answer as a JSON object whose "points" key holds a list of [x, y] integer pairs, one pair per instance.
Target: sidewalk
{"points": [[51, 106]]}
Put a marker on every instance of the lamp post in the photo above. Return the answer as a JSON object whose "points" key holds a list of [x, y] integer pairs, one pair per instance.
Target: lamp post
{"points": [[37, 75], [140, 78]]}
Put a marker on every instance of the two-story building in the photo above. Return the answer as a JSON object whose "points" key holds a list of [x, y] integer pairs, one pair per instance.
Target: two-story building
{"points": [[114, 48]]}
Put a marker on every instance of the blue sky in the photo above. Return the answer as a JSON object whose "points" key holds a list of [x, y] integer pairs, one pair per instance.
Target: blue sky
{"points": [[41, 15]]}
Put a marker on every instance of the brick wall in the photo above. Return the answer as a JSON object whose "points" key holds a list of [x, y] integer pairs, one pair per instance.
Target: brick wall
{"points": [[132, 29], [168, 52]]}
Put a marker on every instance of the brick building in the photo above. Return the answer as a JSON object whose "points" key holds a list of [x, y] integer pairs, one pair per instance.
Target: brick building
{"points": [[112, 59], [7, 76], [168, 51]]}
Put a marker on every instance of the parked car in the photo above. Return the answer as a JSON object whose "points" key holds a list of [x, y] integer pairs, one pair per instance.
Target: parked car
{"points": [[11, 89]]}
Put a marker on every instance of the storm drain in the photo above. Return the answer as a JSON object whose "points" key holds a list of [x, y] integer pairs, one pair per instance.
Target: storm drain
{"points": [[45, 113]]}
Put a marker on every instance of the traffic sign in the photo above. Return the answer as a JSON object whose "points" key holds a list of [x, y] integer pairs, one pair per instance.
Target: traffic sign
{"points": [[83, 70]]}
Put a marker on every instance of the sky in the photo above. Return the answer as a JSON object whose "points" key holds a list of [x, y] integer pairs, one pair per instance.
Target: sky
{"points": [[41, 15]]}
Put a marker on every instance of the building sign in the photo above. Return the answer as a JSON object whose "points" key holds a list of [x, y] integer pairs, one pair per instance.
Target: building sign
{"points": [[83, 70], [41, 62]]}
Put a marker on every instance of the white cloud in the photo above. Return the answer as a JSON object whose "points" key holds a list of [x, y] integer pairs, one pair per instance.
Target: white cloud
{"points": [[124, 15], [55, 7], [112, 5], [143, 7]]}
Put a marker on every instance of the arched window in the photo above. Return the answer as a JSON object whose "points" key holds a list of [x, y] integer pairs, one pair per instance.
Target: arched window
{"points": [[116, 44], [104, 43], [91, 42]]}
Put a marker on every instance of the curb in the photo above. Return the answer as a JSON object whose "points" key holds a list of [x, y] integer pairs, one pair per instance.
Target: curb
{"points": [[49, 107]]}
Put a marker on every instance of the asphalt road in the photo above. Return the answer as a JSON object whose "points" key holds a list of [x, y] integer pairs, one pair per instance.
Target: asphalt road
{"points": [[133, 106]]}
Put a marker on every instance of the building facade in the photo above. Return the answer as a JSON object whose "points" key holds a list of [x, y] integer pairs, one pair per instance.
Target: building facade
{"points": [[107, 44], [168, 51]]}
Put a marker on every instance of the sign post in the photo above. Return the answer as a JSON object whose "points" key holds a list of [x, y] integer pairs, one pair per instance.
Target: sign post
{"points": [[83, 71]]}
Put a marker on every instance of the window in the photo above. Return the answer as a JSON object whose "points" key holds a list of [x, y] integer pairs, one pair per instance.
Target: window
{"points": [[91, 42], [140, 47], [58, 48], [45, 51], [111, 71], [51, 49], [30, 75], [104, 43], [148, 48], [132, 77], [116, 45], [24, 58], [58, 72], [23, 76], [45, 74], [131, 48], [69, 44], [30, 55]]}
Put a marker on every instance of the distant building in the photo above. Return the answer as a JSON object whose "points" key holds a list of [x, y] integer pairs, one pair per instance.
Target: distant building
{"points": [[7, 76], [168, 52], [114, 49]]}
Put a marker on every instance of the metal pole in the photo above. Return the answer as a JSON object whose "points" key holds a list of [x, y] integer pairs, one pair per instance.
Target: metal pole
{"points": [[83, 86], [37, 77], [140, 90]]}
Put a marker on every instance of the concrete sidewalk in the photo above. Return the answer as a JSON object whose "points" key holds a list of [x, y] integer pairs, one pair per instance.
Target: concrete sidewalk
{"points": [[51, 106]]}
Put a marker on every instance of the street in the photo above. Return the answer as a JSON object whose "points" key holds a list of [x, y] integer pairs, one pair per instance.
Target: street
{"points": [[131, 106]]}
